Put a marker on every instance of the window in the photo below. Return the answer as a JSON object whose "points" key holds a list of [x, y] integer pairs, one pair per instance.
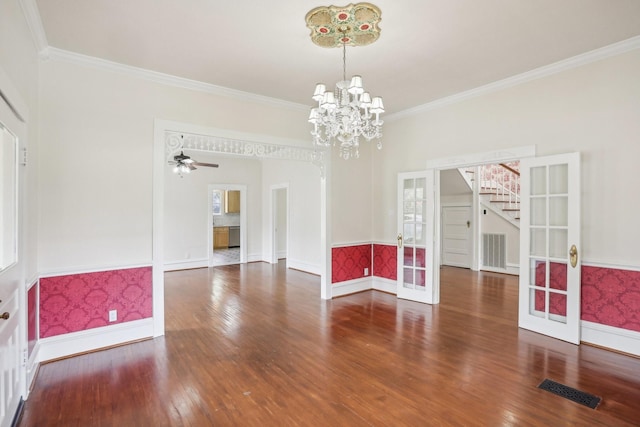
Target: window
{"points": [[218, 200]]}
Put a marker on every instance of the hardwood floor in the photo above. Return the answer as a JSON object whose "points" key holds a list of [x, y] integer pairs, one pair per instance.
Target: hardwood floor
{"points": [[254, 345]]}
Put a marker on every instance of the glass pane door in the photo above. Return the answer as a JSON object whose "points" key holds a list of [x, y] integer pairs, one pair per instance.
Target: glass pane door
{"points": [[550, 236], [414, 236]]}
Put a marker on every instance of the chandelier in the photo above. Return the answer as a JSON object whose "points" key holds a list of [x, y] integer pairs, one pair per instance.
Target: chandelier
{"points": [[348, 113]]}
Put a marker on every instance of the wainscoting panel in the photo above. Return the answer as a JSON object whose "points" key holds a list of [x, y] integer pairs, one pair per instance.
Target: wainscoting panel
{"points": [[78, 302]]}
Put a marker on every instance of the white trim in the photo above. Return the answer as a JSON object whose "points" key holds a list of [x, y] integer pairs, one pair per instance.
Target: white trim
{"points": [[304, 266], [384, 285], [486, 157], [34, 21], [611, 266], [379, 242], [169, 80], [512, 269], [94, 339], [535, 74], [67, 271], [349, 244], [186, 264], [255, 257], [610, 337], [351, 286], [274, 254], [32, 367]]}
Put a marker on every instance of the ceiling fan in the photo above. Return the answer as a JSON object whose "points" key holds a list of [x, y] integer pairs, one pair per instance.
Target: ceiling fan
{"points": [[185, 164]]}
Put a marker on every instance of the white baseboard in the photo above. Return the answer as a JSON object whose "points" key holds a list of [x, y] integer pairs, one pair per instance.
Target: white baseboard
{"points": [[385, 285], [304, 266], [93, 339], [186, 264], [255, 257], [281, 254], [351, 286], [610, 337], [511, 269]]}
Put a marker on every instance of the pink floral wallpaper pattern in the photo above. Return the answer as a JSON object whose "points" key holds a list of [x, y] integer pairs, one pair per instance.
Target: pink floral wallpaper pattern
{"points": [[79, 302], [32, 318], [385, 261], [611, 297], [349, 262]]}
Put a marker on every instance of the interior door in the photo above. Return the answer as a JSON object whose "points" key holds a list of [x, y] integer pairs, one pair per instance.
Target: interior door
{"points": [[549, 299], [456, 236], [416, 272]]}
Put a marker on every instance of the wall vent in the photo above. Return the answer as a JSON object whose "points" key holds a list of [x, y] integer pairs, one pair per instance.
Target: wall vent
{"points": [[494, 253]]}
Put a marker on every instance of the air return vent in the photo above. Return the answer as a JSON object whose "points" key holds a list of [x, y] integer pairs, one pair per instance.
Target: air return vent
{"points": [[494, 252]]}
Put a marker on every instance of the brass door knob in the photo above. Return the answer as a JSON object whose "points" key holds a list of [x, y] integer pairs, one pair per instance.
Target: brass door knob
{"points": [[400, 240], [5, 315], [573, 256]]}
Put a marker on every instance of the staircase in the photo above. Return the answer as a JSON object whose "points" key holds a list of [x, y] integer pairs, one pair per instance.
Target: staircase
{"points": [[499, 188]]}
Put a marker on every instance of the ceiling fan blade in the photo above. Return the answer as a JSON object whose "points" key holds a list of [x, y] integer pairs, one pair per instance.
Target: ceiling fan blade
{"points": [[190, 166], [211, 165]]}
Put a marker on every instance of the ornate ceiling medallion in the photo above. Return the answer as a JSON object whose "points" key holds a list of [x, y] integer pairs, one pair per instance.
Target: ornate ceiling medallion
{"points": [[351, 25]]}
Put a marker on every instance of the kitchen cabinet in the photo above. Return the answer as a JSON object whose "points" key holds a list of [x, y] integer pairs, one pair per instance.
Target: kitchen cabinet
{"points": [[220, 237], [232, 202]]}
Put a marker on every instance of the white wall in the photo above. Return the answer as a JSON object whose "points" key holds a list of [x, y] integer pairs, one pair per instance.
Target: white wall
{"points": [[281, 222], [186, 199], [351, 195], [593, 109], [97, 155], [303, 181]]}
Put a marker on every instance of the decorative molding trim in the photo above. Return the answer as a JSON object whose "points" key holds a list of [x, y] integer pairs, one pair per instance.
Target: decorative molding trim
{"points": [[607, 336], [94, 339], [347, 244], [351, 286], [169, 80], [611, 266], [507, 154], [385, 285], [528, 76], [178, 141], [34, 21], [90, 269], [31, 282], [12, 98]]}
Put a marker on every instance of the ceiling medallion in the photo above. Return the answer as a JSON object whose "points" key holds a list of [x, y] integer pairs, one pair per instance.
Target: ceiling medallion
{"points": [[347, 113], [351, 25]]}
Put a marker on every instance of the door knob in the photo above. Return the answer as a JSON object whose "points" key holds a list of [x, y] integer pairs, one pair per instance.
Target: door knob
{"points": [[400, 240], [5, 315], [573, 256]]}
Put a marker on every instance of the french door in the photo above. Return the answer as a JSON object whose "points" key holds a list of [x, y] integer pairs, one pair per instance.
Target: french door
{"points": [[549, 297], [418, 272]]}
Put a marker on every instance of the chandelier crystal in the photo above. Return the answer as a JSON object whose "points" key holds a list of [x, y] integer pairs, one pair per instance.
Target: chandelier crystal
{"points": [[348, 113]]}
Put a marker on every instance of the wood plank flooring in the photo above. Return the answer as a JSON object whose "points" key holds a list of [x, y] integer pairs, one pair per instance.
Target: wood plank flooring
{"points": [[254, 345]]}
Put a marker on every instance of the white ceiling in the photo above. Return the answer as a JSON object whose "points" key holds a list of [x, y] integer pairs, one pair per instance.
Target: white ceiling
{"points": [[428, 49]]}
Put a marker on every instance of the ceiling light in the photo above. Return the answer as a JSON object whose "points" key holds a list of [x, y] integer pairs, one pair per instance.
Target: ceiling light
{"points": [[348, 113]]}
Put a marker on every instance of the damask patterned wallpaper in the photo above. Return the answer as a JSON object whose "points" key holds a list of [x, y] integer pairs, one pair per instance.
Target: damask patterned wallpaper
{"points": [[611, 297], [82, 301], [349, 262], [32, 318], [385, 261]]}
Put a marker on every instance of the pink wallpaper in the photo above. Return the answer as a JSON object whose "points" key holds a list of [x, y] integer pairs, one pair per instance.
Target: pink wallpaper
{"points": [[349, 262], [82, 301], [385, 261], [32, 318], [557, 280], [611, 297]]}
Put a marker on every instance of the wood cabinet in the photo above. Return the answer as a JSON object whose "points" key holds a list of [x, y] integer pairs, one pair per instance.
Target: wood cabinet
{"points": [[220, 237], [232, 202]]}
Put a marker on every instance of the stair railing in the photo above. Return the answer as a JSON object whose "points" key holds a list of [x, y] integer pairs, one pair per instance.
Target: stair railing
{"points": [[503, 181]]}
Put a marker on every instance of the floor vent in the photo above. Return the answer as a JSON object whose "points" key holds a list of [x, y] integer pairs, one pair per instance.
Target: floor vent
{"points": [[572, 394], [494, 252]]}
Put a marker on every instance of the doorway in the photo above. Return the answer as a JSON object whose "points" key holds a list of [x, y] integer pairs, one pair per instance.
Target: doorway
{"points": [[227, 224], [279, 222]]}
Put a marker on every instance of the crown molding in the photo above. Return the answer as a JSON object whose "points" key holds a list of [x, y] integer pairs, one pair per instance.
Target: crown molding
{"points": [[537, 73], [57, 54], [32, 16]]}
